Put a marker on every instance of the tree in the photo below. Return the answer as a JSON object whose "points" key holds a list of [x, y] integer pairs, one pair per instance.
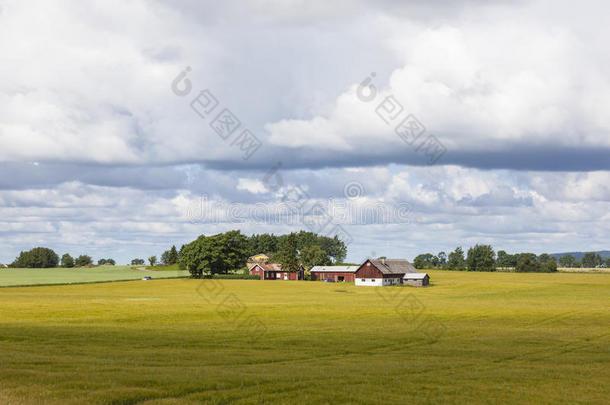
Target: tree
{"points": [[314, 256], [505, 260], [567, 261], [481, 258], [136, 262], [170, 256], [456, 261], [271, 244], [110, 262], [424, 261], [83, 260], [289, 255], [591, 259], [152, 260], [165, 257], [527, 263], [607, 262], [67, 260], [548, 264], [101, 262], [173, 255], [442, 258], [216, 254], [39, 257]]}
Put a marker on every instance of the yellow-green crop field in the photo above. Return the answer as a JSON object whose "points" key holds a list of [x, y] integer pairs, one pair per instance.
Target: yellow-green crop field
{"points": [[469, 338]]}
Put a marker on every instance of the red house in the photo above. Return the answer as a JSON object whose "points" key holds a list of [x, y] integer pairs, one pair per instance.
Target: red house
{"points": [[273, 271]]}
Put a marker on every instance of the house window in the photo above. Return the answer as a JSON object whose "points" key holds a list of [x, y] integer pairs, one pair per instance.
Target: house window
{"points": [[364, 280]]}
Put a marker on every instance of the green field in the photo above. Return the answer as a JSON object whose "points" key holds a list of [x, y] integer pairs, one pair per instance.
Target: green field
{"points": [[60, 275], [469, 338]]}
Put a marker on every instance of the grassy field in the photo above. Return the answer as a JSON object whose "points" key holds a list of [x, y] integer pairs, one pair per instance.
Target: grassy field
{"points": [[15, 277], [469, 338]]}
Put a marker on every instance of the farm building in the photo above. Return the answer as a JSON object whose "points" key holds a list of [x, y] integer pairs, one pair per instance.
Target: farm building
{"points": [[273, 271], [335, 273], [381, 272], [259, 258], [416, 279]]}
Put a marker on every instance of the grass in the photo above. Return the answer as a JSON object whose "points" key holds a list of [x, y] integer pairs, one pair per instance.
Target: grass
{"points": [[18, 277], [505, 338]]}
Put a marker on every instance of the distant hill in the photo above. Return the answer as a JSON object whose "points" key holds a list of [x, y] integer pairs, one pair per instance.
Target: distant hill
{"points": [[578, 255]]}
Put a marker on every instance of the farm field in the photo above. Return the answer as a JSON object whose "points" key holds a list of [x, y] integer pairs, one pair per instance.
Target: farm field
{"points": [[584, 270], [59, 275], [469, 338]]}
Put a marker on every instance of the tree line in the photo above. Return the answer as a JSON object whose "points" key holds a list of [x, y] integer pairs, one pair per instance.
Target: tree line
{"points": [[484, 258], [589, 260], [42, 257], [225, 252]]}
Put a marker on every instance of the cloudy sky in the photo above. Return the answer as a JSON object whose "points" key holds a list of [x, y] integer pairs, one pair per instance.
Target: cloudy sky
{"points": [[402, 127]]}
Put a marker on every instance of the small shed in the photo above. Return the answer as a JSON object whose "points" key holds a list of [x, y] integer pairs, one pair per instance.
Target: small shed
{"points": [[416, 279]]}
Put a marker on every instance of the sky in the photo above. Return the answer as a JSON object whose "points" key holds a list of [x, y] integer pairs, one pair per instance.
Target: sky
{"points": [[402, 128]]}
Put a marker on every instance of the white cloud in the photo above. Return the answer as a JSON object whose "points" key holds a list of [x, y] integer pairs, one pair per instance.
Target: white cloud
{"points": [[120, 160]]}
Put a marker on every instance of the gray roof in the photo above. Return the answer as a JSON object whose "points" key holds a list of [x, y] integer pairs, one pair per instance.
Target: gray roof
{"points": [[415, 276], [334, 269], [394, 266]]}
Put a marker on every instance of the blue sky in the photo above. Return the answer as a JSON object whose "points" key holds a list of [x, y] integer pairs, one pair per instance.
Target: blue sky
{"points": [[99, 155]]}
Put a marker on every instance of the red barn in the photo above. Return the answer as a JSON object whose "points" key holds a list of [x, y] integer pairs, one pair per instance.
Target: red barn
{"points": [[273, 271], [335, 273], [380, 272]]}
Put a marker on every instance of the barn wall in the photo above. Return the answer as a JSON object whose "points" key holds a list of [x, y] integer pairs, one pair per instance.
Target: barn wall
{"points": [[366, 271], [323, 275]]}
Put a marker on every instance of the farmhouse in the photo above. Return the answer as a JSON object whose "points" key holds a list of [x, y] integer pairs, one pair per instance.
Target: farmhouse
{"points": [[259, 258], [273, 271], [380, 272], [335, 273]]}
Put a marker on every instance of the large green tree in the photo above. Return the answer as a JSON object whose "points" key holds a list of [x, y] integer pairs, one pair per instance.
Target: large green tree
{"points": [[288, 256], [548, 264], [528, 263], [425, 261], [314, 256], [481, 258], [216, 254], [39, 257], [505, 260], [455, 260], [83, 260], [67, 260]]}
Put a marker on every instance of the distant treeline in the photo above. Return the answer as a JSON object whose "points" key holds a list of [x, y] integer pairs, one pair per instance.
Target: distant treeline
{"points": [[42, 257], [484, 258]]}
